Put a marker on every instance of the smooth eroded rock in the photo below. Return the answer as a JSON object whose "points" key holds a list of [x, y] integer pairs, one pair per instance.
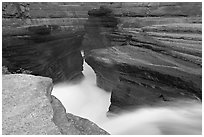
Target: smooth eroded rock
{"points": [[46, 53], [141, 70], [53, 51]]}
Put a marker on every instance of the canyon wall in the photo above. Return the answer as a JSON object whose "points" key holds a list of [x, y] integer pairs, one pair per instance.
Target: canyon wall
{"points": [[156, 58], [144, 53], [46, 39]]}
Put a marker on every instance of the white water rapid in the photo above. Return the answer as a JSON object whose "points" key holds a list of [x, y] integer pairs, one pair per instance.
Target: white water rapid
{"points": [[85, 99]]}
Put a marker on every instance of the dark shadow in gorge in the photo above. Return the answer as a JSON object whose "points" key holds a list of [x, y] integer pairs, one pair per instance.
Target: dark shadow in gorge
{"points": [[50, 51]]}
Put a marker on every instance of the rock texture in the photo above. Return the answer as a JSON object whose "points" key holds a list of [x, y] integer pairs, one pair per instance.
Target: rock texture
{"points": [[85, 126], [29, 109], [143, 77], [152, 62], [40, 47], [161, 58], [55, 55], [100, 24], [51, 49], [70, 124]]}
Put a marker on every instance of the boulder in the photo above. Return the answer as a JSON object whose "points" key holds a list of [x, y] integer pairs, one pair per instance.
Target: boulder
{"points": [[28, 108]]}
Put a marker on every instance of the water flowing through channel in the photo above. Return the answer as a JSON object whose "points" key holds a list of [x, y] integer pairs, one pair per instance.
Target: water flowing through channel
{"points": [[85, 99]]}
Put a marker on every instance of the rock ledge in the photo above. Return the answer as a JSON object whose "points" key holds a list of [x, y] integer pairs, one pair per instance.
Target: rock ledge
{"points": [[28, 108]]}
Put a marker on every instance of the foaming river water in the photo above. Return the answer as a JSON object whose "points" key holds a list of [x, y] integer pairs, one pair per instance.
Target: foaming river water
{"points": [[85, 99]]}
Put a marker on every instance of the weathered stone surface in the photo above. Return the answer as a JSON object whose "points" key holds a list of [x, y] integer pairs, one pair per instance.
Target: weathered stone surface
{"points": [[54, 51], [60, 119], [176, 28], [159, 9], [55, 55], [146, 71], [26, 107], [85, 126], [70, 124], [170, 32], [29, 109], [42, 46], [14, 9], [163, 59], [185, 38], [138, 22]]}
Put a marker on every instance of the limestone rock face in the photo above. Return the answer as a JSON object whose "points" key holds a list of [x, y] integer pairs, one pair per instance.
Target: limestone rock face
{"points": [[45, 51], [53, 49], [161, 55], [146, 71], [163, 42], [29, 109]]}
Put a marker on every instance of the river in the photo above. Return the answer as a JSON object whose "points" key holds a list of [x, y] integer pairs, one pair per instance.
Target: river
{"points": [[85, 99]]}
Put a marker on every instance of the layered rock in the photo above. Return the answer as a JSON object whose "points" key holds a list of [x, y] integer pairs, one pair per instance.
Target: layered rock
{"points": [[169, 32], [155, 9], [142, 70], [160, 59], [140, 14], [29, 109], [143, 77], [53, 50], [45, 52], [40, 46]]}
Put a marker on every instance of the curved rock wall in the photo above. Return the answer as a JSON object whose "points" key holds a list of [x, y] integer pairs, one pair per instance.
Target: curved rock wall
{"points": [[40, 44], [45, 38], [160, 59], [157, 56], [48, 45]]}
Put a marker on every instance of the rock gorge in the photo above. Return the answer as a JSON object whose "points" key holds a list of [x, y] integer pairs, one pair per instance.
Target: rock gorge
{"points": [[144, 53], [52, 50], [156, 62]]}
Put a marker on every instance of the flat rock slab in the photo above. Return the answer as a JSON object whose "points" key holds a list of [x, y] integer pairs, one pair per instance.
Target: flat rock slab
{"points": [[28, 108]]}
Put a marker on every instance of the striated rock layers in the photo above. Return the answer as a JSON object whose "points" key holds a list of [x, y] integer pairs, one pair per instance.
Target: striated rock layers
{"points": [[52, 50], [160, 61], [44, 52], [29, 109], [154, 63], [41, 48], [143, 73]]}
